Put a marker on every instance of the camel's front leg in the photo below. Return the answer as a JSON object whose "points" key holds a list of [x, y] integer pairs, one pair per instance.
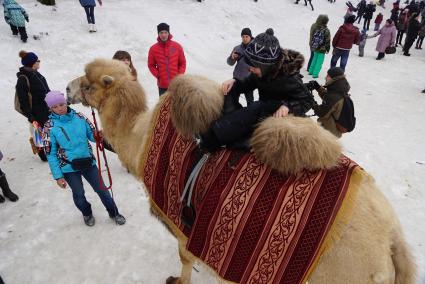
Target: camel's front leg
{"points": [[186, 273]]}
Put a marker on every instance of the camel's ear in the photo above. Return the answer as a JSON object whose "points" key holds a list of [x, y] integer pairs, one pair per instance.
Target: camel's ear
{"points": [[107, 80]]}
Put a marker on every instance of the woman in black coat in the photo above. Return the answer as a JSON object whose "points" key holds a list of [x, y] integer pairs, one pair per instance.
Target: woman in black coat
{"points": [[413, 28], [31, 81]]}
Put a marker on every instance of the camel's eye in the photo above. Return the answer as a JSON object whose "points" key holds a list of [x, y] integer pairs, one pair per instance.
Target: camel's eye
{"points": [[86, 89]]}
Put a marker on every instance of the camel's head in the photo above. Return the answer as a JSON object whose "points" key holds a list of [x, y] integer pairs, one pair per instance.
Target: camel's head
{"points": [[103, 78], [75, 90]]}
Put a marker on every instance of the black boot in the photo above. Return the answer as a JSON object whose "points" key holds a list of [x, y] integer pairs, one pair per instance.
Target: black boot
{"points": [[42, 155], [1, 198], [6, 189]]}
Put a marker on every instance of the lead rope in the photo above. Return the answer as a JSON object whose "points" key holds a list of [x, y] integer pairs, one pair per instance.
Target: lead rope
{"points": [[101, 148]]}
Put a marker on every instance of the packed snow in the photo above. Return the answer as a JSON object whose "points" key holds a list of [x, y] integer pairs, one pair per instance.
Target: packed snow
{"points": [[42, 236]]}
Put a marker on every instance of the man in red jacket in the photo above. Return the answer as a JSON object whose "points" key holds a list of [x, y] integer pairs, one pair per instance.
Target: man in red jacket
{"points": [[166, 58], [343, 41]]}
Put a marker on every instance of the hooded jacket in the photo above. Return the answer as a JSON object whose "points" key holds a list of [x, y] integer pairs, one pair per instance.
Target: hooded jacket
{"points": [[88, 3], [14, 14], [283, 86], [413, 28], [332, 102], [321, 23], [370, 9], [38, 88], [165, 61], [346, 36], [242, 67], [65, 138]]}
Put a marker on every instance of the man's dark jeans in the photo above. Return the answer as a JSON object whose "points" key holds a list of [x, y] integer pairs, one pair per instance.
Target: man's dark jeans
{"points": [[161, 91], [75, 182], [340, 53]]}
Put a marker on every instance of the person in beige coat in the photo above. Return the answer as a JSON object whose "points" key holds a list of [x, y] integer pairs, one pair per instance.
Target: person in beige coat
{"points": [[332, 95]]}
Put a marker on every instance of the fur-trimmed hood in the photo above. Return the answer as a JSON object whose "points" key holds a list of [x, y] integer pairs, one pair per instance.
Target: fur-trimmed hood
{"points": [[290, 62]]}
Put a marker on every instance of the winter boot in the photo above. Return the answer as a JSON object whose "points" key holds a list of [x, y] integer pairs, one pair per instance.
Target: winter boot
{"points": [[119, 219], [1, 198], [6, 189], [90, 28], [89, 220], [93, 28], [42, 155]]}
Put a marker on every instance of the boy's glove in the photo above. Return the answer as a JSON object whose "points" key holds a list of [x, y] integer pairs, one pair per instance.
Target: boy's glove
{"points": [[27, 19]]}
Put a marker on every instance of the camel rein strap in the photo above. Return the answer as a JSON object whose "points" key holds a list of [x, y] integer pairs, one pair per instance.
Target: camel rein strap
{"points": [[100, 148]]}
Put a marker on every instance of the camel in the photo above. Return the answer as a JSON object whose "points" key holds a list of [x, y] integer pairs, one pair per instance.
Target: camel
{"points": [[367, 243]]}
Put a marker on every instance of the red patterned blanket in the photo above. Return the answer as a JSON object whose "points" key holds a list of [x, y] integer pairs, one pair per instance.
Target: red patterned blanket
{"points": [[253, 224]]}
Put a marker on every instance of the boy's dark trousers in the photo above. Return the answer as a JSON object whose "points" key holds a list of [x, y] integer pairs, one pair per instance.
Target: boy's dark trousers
{"points": [[236, 124], [21, 30]]}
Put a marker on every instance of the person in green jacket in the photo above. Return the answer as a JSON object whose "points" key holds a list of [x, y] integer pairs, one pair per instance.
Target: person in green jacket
{"points": [[320, 43]]}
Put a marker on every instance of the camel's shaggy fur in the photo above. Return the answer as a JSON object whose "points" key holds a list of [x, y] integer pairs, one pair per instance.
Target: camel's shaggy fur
{"points": [[193, 116], [121, 103], [366, 246], [291, 144]]}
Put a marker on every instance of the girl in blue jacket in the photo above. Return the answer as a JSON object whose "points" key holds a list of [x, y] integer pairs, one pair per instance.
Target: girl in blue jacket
{"points": [[66, 138]]}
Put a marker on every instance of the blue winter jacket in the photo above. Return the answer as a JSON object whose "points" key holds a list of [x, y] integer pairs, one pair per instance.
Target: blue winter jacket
{"points": [[86, 3], [65, 138], [14, 14]]}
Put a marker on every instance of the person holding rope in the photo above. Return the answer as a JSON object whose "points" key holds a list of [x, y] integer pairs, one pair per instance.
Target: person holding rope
{"points": [[66, 138]]}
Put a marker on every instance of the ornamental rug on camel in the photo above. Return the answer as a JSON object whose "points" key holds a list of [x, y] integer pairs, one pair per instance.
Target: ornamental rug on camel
{"points": [[253, 224]]}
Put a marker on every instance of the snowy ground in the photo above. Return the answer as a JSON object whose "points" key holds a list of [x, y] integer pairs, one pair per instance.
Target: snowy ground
{"points": [[42, 236]]}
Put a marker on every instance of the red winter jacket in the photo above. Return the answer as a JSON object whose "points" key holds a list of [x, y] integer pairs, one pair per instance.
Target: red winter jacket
{"points": [[346, 36], [166, 60], [379, 19]]}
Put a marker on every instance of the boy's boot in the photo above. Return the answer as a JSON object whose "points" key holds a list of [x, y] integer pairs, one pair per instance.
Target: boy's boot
{"points": [[1, 198], [6, 189]]}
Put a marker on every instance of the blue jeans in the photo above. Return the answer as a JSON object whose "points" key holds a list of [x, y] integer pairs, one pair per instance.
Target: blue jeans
{"points": [[90, 14], [340, 53], [91, 175]]}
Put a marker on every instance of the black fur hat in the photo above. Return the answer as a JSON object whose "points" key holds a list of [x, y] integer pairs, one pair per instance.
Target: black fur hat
{"points": [[264, 49]]}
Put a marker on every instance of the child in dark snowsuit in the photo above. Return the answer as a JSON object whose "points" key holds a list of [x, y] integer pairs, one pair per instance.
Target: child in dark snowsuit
{"points": [[275, 73], [362, 43]]}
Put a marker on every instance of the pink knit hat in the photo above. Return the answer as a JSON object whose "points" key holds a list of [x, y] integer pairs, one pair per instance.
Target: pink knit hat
{"points": [[54, 98]]}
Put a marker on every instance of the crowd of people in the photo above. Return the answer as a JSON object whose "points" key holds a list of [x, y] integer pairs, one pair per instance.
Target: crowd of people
{"points": [[260, 63]]}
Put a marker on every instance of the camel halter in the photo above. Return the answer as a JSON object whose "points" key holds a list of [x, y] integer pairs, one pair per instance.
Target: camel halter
{"points": [[100, 148]]}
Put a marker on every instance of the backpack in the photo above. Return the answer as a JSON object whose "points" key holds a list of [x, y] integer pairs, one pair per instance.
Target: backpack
{"points": [[17, 102], [346, 121], [318, 38]]}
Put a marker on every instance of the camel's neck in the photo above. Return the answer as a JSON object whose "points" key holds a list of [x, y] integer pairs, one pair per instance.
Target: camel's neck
{"points": [[125, 123]]}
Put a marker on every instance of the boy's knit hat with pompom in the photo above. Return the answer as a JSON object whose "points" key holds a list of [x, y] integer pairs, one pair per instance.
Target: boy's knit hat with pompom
{"points": [[264, 49], [28, 59]]}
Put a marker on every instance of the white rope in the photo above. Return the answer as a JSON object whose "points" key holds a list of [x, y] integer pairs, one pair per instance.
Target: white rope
{"points": [[190, 184]]}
